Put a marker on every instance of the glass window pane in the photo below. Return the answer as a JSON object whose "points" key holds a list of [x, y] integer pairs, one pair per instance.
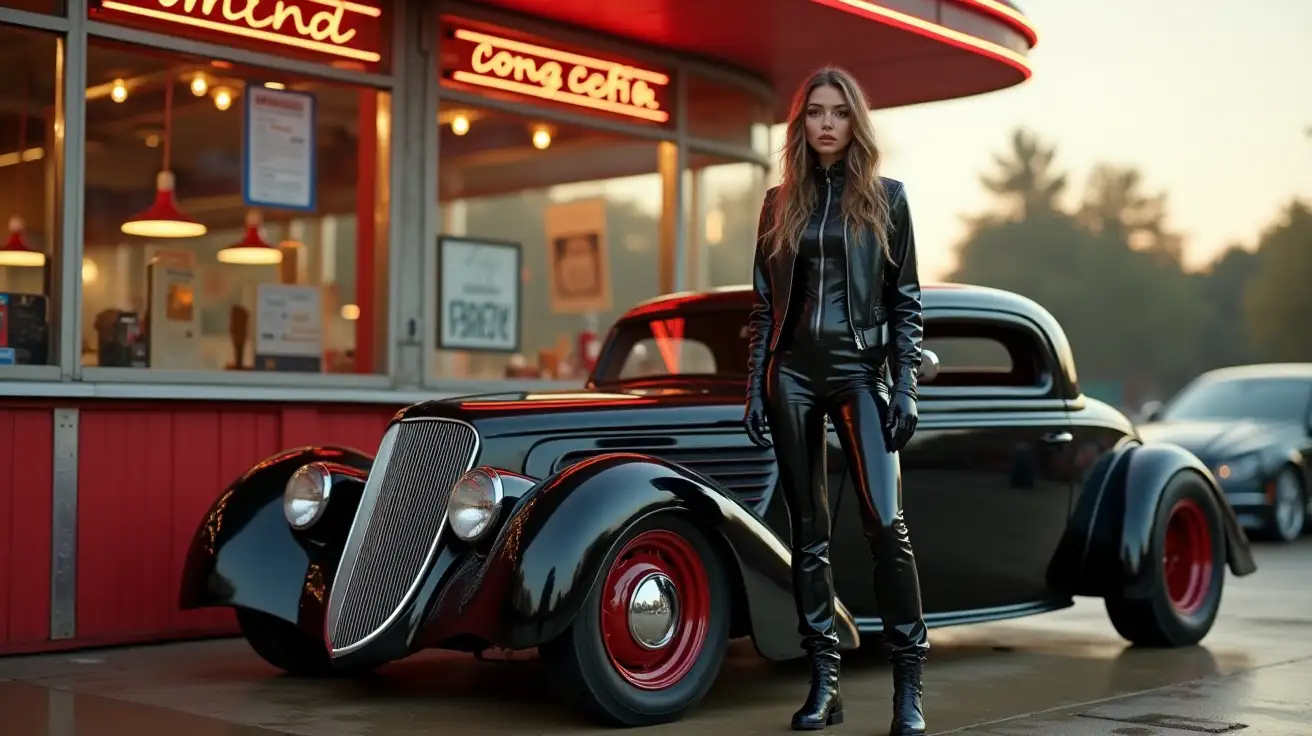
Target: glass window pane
{"points": [[29, 175], [728, 113], [725, 198], [320, 168], [585, 209]]}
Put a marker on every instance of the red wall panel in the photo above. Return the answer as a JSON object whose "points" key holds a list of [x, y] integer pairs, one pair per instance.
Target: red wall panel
{"points": [[25, 500], [146, 476]]}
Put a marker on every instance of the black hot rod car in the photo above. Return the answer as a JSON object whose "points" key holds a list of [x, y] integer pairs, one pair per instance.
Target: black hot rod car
{"points": [[630, 529]]}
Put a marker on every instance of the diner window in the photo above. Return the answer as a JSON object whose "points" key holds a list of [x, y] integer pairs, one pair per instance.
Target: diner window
{"points": [[30, 166], [729, 113], [723, 201], [236, 218], [583, 208]]}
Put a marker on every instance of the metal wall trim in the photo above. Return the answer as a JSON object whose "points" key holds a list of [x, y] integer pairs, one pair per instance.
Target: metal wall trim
{"points": [[63, 527]]}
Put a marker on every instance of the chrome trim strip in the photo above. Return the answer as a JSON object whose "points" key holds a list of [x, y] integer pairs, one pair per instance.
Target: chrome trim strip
{"points": [[350, 552]]}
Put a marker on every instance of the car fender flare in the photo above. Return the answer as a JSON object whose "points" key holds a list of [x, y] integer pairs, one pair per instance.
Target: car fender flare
{"points": [[544, 564], [244, 554], [1106, 547]]}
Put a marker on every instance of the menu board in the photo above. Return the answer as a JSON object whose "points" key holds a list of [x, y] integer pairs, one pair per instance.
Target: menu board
{"points": [[288, 328]]}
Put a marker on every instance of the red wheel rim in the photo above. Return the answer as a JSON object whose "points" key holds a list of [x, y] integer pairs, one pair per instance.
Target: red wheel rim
{"points": [[656, 560], [1187, 557]]}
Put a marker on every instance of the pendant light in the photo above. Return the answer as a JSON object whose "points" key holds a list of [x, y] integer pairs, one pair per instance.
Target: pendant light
{"points": [[252, 249], [16, 251], [164, 219]]}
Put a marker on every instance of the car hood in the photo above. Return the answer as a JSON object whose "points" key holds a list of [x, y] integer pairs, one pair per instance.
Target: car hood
{"points": [[1214, 440], [660, 404]]}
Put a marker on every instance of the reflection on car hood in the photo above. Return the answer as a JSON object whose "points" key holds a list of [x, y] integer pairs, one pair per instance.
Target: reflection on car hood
{"points": [[1214, 440], [637, 396]]}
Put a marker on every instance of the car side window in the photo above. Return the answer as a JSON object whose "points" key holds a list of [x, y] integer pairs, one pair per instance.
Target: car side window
{"points": [[980, 353], [663, 356]]}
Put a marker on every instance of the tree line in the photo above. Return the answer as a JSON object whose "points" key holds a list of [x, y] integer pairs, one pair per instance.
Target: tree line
{"points": [[1109, 269]]}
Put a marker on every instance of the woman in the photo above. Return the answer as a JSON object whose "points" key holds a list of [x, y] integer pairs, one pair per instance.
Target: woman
{"points": [[838, 300]]}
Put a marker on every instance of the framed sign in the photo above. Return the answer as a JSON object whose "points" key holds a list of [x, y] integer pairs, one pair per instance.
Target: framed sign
{"points": [[479, 294], [279, 160]]}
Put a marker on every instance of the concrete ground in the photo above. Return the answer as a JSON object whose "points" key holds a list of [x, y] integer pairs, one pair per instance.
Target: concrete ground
{"points": [[1066, 674]]}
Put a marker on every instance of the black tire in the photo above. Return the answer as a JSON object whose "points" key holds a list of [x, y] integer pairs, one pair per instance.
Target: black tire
{"points": [[590, 672], [286, 647], [1289, 490], [1180, 609]]}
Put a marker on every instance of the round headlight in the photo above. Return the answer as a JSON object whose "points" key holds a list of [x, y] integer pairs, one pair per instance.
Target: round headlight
{"points": [[306, 495], [475, 501]]}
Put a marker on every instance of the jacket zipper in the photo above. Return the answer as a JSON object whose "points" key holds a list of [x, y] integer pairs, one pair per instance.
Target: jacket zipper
{"points": [[847, 254], [820, 277]]}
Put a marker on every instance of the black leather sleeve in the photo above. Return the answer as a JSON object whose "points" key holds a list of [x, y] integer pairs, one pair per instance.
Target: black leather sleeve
{"points": [[902, 295], [760, 325]]}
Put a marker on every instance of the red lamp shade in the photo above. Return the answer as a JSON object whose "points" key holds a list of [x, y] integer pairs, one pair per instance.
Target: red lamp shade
{"points": [[16, 251], [253, 249], [164, 219]]}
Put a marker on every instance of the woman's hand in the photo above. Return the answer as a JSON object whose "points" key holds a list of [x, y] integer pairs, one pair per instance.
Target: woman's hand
{"points": [[754, 421], [902, 420]]}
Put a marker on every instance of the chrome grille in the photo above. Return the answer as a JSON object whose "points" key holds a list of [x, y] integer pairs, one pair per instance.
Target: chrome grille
{"points": [[400, 520]]}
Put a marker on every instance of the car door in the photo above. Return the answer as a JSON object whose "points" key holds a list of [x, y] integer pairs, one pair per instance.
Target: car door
{"points": [[987, 481]]}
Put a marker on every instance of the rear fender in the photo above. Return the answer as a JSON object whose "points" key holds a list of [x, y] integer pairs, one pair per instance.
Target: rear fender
{"points": [[244, 554], [1106, 548], [546, 560]]}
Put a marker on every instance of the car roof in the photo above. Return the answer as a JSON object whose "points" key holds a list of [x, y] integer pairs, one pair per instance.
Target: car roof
{"points": [[1262, 370], [951, 295]]}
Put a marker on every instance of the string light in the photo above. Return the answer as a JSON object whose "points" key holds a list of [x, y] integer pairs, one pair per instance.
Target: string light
{"points": [[199, 86], [119, 92]]}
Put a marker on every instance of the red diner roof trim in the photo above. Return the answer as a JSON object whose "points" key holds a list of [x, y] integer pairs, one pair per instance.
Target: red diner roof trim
{"points": [[938, 32], [1007, 13]]}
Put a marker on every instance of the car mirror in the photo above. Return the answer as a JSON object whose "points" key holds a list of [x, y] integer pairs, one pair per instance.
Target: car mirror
{"points": [[1151, 411], [928, 366]]}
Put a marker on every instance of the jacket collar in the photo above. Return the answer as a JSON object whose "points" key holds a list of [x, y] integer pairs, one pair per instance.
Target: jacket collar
{"points": [[837, 171]]}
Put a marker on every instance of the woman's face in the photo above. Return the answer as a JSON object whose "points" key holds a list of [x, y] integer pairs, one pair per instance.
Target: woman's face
{"points": [[828, 123]]}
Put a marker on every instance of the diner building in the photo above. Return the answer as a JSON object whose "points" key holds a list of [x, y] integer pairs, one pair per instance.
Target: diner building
{"points": [[238, 226]]}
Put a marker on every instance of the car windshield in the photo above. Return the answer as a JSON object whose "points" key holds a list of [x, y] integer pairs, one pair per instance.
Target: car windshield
{"points": [[1280, 399], [698, 343]]}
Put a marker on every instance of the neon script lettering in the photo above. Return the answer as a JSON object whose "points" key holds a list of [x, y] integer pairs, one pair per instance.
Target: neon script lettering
{"points": [[289, 22], [613, 86], [551, 74], [323, 25]]}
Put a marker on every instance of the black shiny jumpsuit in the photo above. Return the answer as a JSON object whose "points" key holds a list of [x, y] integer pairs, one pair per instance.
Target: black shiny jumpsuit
{"points": [[815, 371]]}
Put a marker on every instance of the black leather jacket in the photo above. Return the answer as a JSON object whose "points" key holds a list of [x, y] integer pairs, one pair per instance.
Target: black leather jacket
{"points": [[883, 298]]}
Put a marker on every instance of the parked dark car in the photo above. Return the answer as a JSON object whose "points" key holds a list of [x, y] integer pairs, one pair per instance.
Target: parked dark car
{"points": [[1252, 425], [629, 529]]}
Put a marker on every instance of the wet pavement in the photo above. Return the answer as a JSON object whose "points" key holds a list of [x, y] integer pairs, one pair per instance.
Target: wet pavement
{"points": [[1065, 673]]}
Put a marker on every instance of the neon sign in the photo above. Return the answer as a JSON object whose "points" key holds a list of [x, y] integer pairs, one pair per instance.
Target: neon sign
{"points": [[333, 27], [560, 76]]}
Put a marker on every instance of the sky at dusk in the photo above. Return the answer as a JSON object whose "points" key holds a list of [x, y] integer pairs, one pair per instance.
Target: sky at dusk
{"points": [[1211, 99]]}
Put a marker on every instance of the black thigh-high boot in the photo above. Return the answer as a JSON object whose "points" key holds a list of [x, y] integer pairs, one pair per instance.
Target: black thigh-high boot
{"points": [[798, 431], [858, 419]]}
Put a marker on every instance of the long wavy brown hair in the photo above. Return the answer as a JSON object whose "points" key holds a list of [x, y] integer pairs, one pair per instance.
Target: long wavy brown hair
{"points": [[865, 203]]}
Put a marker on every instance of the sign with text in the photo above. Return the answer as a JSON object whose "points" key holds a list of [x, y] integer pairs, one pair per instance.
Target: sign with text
{"points": [[278, 163], [479, 294], [288, 328], [546, 73], [335, 29]]}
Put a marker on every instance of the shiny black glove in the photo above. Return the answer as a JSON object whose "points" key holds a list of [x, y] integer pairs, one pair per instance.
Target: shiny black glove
{"points": [[902, 420], [754, 421]]}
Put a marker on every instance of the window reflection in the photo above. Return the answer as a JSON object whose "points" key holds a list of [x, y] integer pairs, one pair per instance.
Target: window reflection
{"points": [[585, 208], [724, 205]]}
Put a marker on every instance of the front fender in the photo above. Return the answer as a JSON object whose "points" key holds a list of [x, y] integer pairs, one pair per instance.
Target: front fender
{"points": [[541, 569], [1106, 548], [244, 554]]}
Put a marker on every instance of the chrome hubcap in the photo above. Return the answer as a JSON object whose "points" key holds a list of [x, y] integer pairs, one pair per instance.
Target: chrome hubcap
{"points": [[653, 611], [1289, 508]]}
